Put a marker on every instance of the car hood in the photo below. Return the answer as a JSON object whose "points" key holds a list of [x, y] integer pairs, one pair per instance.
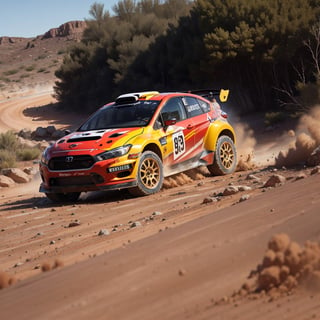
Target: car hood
{"points": [[96, 139]]}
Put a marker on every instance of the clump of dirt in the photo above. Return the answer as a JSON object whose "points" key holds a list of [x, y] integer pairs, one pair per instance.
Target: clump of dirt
{"points": [[285, 266], [46, 266], [245, 147], [6, 280], [185, 177], [307, 140]]}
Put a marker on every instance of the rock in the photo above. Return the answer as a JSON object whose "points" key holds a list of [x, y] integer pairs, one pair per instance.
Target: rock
{"points": [[245, 197], [51, 130], [17, 175], [135, 224], [230, 191], [57, 134], [207, 200], [157, 213], [30, 171], [315, 170], [71, 29], [40, 132], [300, 176], [75, 223], [6, 182], [244, 188], [274, 181], [252, 177], [103, 232]]}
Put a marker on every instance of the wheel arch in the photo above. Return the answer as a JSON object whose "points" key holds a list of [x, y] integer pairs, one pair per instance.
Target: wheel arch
{"points": [[228, 133], [215, 132], [154, 148]]}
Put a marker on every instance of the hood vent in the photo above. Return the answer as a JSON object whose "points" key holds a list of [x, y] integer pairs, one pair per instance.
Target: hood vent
{"points": [[88, 138], [115, 135]]}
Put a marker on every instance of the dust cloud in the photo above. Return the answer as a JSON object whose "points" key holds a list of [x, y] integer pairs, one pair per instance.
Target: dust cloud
{"points": [[307, 139], [183, 178], [245, 145]]}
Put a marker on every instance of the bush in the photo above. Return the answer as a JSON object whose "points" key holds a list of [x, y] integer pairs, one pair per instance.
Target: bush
{"points": [[9, 141], [7, 159], [27, 154]]}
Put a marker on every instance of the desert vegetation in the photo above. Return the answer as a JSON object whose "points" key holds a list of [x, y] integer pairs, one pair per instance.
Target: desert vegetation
{"points": [[12, 150], [264, 51]]}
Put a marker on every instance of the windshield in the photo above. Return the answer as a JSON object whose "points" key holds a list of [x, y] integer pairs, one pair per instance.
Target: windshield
{"points": [[114, 116]]}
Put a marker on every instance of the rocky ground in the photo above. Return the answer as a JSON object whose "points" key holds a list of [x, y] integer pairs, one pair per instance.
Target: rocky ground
{"points": [[244, 246]]}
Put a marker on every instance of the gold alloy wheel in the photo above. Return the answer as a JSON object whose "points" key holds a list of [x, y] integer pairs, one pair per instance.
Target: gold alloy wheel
{"points": [[226, 155], [150, 173]]}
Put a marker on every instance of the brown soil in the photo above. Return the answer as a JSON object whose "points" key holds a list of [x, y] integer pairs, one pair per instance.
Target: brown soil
{"points": [[188, 252]]}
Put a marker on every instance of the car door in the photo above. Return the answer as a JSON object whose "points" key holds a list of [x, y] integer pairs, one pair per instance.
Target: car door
{"points": [[178, 132], [199, 118]]}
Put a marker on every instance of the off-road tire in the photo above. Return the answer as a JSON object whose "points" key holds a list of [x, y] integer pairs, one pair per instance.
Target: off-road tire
{"points": [[63, 197], [225, 157], [149, 176]]}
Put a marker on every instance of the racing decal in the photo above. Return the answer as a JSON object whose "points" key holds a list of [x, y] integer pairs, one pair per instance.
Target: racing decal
{"points": [[179, 144]]}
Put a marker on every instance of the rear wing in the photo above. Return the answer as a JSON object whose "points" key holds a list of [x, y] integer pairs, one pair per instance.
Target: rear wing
{"points": [[211, 93]]}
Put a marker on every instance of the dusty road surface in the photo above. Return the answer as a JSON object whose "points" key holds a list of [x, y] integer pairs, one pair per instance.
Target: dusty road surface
{"points": [[180, 254]]}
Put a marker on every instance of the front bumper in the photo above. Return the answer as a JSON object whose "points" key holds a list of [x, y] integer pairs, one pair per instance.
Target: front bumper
{"points": [[103, 175]]}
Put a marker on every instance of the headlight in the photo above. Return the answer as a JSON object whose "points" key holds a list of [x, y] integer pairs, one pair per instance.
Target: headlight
{"points": [[44, 157], [114, 153]]}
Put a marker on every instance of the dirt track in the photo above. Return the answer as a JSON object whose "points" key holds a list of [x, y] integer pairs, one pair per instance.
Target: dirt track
{"points": [[183, 257]]}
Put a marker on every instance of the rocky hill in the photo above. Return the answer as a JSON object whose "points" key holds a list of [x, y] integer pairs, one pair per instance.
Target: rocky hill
{"points": [[27, 63]]}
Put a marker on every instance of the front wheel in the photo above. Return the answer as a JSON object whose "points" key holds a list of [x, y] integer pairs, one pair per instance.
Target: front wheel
{"points": [[63, 197], [149, 176], [225, 157]]}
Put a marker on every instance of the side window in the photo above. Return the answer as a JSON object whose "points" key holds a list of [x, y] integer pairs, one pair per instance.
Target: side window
{"points": [[173, 109], [192, 106], [205, 106]]}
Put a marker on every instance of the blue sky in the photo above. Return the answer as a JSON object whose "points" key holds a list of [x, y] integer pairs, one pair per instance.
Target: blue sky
{"points": [[30, 18]]}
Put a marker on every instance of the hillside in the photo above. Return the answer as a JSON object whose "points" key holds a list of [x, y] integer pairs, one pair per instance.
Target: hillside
{"points": [[29, 63]]}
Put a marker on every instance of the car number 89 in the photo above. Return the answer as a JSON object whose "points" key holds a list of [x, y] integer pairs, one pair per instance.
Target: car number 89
{"points": [[179, 145]]}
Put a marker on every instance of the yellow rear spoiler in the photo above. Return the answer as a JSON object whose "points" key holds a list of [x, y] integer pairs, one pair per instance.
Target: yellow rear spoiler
{"points": [[223, 96]]}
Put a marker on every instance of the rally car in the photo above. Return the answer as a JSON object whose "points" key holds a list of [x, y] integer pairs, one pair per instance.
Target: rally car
{"points": [[136, 141]]}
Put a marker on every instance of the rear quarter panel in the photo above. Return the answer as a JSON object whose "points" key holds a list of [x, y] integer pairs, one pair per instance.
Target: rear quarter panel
{"points": [[215, 130]]}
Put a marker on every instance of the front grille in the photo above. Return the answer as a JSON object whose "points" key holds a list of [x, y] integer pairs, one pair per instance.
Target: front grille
{"points": [[70, 163], [71, 181]]}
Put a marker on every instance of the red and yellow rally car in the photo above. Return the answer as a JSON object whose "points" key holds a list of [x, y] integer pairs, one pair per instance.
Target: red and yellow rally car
{"points": [[138, 140]]}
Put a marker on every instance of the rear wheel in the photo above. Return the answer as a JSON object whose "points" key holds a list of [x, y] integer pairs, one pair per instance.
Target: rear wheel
{"points": [[63, 197], [150, 175], [225, 157]]}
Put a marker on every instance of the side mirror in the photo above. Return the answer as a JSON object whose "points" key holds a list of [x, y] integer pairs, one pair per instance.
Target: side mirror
{"points": [[170, 122]]}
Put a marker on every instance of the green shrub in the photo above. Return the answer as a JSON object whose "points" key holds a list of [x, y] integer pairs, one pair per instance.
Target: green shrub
{"points": [[9, 141], [7, 159], [27, 154], [272, 118]]}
